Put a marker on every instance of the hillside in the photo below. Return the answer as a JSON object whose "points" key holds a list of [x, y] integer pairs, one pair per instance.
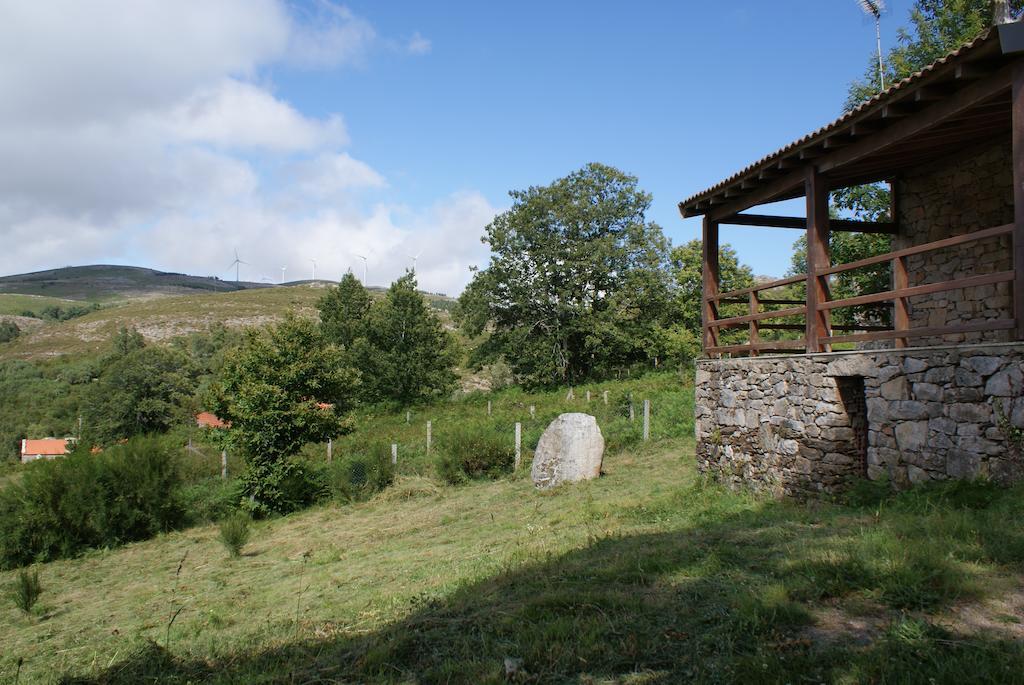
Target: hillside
{"points": [[159, 318], [106, 283], [646, 575]]}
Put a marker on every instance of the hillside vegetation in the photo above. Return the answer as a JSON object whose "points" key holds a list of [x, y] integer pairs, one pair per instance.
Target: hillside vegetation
{"points": [[647, 575], [105, 283]]}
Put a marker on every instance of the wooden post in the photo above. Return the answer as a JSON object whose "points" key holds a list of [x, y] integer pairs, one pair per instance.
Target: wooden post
{"points": [[605, 393], [223, 464], [647, 419], [488, 407], [430, 425], [1018, 196], [818, 322], [519, 445], [901, 313], [533, 411], [408, 417], [754, 330], [394, 453], [330, 450], [632, 412], [588, 397], [709, 281], [569, 395]]}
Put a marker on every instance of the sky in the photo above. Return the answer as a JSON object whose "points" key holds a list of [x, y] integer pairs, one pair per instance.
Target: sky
{"points": [[170, 134]]}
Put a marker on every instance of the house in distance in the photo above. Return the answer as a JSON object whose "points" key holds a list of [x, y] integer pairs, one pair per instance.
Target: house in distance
{"points": [[48, 448], [795, 399]]}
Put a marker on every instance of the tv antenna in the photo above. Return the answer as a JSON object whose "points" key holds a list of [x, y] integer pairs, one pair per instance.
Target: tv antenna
{"points": [[875, 8], [236, 264]]}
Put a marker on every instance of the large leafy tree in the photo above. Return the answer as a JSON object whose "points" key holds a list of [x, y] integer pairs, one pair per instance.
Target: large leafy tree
{"points": [[282, 387], [401, 347], [577, 283]]}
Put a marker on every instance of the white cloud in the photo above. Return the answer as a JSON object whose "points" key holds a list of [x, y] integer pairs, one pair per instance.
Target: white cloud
{"points": [[147, 132], [418, 45]]}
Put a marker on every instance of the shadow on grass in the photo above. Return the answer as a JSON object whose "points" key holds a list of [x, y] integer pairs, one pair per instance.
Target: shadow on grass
{"points": [[726, 599]]}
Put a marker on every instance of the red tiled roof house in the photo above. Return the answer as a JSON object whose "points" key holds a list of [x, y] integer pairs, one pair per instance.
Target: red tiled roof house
{"points": [[49, 448]]}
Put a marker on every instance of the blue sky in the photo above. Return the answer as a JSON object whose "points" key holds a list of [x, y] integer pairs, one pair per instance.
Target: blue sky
{"points": [[679, 94], [301, 130]]}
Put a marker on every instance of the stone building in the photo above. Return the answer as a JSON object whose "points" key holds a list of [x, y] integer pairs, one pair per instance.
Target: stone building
{"points": [[792, 397]]}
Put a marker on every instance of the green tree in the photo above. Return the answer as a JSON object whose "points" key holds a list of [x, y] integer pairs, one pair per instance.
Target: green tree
{"points": [[577, 282], [143, 391], [282, 387], [343, 310], [403, 351]]}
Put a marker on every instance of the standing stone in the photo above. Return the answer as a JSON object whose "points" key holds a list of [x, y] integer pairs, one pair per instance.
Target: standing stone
{"points": [[570, 450]]}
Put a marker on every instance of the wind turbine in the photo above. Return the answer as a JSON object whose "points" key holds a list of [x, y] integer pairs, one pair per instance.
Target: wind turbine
{"points": [[874, 8], [364, 267], [282, 273], [313, 284], [236, 263], [414, 258]]}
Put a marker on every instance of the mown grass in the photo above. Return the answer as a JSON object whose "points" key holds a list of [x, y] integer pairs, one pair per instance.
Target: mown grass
{"points": [[646, 575]]}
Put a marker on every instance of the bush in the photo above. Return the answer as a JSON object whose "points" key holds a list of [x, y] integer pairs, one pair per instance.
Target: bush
{"points": [[357, 477], [210, 500], [280, 487], [8, 330], [472, 451], [26, 590], [234, 533], [62, 507]]}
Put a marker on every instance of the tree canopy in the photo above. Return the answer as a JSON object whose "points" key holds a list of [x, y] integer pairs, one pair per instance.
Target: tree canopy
{"points": [[577, 282]]}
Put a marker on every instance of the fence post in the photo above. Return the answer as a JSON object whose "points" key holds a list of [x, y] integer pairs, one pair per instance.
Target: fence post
{"points": [[569, 395], [647, 419], [394, 453], [533, 411], [429, 431], [330, 450], [519, 445], [223, 464], [605, 393], [488, 407], [632, 412], [588, 397], [408, 417]]}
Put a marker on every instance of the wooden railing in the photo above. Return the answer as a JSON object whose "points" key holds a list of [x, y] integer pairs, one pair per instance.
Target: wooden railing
{"points": [[757, 320]]}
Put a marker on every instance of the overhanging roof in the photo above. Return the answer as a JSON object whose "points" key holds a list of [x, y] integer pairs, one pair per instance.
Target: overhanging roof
{"points": [[959, 99]]}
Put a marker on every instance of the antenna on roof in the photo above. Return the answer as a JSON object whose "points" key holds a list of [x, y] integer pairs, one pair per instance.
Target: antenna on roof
{"points": [[874, 8]]}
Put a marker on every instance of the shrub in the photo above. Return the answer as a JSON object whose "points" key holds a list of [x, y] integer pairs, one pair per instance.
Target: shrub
{"points": [[26, 590], [234, 533], [474, 450], [280, 487], [8, 330], [356, 477], [210, 500], [62, 507]]}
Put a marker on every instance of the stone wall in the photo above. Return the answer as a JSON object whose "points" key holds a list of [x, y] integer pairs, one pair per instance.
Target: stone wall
{"points": [[812, 424], [965, 192]]}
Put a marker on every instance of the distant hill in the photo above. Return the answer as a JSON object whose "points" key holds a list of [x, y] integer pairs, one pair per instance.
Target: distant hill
{"points": [[161, 306], [106, 283]]}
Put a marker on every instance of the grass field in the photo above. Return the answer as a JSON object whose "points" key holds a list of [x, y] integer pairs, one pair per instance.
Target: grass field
{"points": [[14, 304], [646, 575]]}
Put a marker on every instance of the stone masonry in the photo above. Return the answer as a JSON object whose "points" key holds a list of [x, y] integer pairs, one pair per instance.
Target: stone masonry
{"points": [[965, 192], [810, 425]]}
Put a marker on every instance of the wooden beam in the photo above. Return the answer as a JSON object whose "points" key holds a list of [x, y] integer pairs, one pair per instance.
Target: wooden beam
{"points": [[1017, 107], [817, 258], [926, 289], [973, 327], [710, 282], [847, 225]]}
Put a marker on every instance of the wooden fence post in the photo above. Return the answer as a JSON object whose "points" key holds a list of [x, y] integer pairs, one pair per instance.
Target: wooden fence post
{"points": [[488, 407], [647, 419], [533, 411], [519, 445], [605, 393], [588, 397], [394, 453], [430, 425], [408, 417], [330, 450], [223, 464]]}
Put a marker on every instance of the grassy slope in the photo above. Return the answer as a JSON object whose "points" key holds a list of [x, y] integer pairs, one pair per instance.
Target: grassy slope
{"points": [[14, 305], [105, 283], [645, 575], [163, 318]]}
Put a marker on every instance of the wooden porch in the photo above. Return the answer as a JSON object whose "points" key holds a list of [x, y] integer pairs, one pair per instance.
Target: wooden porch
{"points": [[975, 95]]}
